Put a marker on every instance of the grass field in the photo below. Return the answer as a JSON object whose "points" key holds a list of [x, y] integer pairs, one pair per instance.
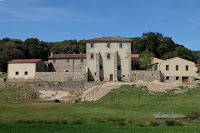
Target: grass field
{"points": [[127, 108]]}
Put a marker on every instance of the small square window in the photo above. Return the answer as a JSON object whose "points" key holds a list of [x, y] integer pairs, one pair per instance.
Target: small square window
{"points": [[176, 67], [108, 55], [120, 45], [26, 73], [167, 78], [67, 71], [92, 56], [167, 67], [186, 68], [92, 45], [119, 67], [16, 73], [54, 60], [177, 78], [101, 67], [123, 75], [67, 60], [108, 45], [82, 60]]}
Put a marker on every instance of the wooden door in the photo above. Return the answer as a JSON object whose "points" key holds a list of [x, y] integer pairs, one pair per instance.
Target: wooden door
{"points": [[111, 77], [185, 80]]}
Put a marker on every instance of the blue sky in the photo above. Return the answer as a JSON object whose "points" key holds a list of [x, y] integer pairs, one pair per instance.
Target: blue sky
{"points": [[58, 20]]}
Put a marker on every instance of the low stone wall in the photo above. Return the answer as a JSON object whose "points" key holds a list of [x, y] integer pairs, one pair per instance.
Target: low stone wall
{"points": [[61, 76], [146, 76], [64, 86]]}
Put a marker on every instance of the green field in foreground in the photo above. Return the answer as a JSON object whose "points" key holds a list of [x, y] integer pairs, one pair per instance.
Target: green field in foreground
{"points": [[126, 108], [55, 128]]}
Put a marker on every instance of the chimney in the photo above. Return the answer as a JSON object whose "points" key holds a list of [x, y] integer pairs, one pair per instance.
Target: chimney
{"points": [[51, 53]]}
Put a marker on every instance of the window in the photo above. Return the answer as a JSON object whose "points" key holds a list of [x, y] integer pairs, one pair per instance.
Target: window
{"points": [[25, 73], [67, 60], [108, 55], [82, 60], [119, 67], [108, 45], [120, 45], [167, 67], [176, 67], [186, 68], [66, 70], [16, 73], [95, 73], [54, 60], [92, 45], [101, 66], [123, 75], [92, 56], [177, 78], [167, 78]]}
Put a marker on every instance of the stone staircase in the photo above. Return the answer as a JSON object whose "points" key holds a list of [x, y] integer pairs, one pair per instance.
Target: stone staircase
{"points": [[96, 92]]}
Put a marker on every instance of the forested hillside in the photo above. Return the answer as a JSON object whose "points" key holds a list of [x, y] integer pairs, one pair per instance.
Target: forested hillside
{"points": [[33, 48]]}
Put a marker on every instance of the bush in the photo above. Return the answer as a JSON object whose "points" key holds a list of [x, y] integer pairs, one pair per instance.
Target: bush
{"points": [[64, 122], [57, 100], [172, 123], [122, 124], [140, 125], [194, 115], [154, 123], [78, 122]]}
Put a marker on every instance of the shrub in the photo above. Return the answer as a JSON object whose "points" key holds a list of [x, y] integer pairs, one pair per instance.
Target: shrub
{"points": [[194, 115], [122, 124], [56, 122], [64, 122], [57, 100], [170, 123], [140, 125], [154, 123], [78, 122]]}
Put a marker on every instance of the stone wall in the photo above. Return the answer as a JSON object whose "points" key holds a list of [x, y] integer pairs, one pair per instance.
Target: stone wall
{"points": [[62, 65], [61, 76], [40, 66], [146, 76], [64, 86]]}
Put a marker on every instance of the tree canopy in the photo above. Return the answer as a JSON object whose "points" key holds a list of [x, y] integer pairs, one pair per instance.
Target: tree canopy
{"points": [[146, 58]]}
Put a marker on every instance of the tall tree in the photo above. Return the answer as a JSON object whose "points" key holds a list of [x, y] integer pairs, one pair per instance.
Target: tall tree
{"points": [[146, 58]]}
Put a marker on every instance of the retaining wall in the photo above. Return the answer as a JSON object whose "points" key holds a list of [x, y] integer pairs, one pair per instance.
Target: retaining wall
{"points": [[61, 76]]}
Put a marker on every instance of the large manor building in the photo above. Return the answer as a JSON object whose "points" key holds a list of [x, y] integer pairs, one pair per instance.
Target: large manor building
{"points": [[106, 59]]}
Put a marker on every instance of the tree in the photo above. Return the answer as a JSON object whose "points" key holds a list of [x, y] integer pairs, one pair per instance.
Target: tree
{"points": [[146, 58]]}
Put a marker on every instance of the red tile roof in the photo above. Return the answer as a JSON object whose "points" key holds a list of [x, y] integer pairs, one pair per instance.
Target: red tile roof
{"points": [[25, 61], [68, 56], [135, 55], [109, 39]]}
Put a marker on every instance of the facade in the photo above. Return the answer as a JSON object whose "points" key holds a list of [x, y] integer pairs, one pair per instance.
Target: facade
{"points": [[176, 69], [108, 59], [25, 68], [67, 63]]}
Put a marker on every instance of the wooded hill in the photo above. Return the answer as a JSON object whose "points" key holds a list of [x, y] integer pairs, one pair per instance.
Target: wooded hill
{"points": [[33, 48]]}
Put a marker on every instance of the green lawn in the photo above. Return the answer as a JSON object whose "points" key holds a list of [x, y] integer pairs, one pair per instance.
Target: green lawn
{"points": [[127, 106], [56, 128]]}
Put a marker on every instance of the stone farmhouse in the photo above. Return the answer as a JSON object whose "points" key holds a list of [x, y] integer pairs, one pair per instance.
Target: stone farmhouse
{"points": [[106, 59], [176, 69]]}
